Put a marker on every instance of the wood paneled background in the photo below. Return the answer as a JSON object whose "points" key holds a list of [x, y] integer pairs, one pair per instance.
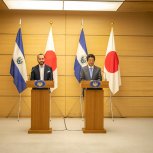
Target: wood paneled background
{"points": [[134, 45]]}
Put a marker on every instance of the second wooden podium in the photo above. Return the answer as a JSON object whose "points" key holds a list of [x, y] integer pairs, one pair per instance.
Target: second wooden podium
{"points": [[40, 106], [94, 106]]}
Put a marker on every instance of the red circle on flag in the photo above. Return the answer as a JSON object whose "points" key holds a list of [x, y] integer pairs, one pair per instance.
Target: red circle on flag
{"points": [[50, 59], [111, 62]]}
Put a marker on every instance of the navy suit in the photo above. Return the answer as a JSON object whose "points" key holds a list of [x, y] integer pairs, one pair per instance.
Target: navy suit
{"points": [[35, 73]]}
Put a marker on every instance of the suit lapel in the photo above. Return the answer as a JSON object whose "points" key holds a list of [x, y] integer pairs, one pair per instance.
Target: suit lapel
{"points": [[45, 73], [87, 72], [94, 72], [38, 72]]}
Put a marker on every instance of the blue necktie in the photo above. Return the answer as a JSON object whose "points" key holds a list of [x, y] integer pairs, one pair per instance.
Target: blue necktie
{"points": [[90, 71]]}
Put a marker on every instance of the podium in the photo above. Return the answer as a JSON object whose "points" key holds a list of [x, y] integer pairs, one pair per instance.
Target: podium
{"points": [[94, 107], [40, 106]]}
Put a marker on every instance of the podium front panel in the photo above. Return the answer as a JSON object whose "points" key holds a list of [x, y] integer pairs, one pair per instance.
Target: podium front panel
{"points": [[40, 111], [94, 111]]}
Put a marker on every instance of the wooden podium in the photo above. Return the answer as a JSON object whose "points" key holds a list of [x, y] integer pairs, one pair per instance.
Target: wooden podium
{"points": [[94, 107], [40, 106]]}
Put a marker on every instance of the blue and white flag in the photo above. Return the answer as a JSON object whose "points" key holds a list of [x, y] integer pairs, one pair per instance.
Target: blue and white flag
{"points": [[80, 60], [18, 65]]}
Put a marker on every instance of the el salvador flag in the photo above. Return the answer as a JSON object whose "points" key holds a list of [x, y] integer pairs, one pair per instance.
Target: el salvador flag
{"points": [[18, 66], [80, 60]]}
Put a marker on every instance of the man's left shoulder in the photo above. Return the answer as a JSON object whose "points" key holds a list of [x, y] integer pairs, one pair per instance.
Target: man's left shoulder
{"points": [[96, 67], [48, 66]]}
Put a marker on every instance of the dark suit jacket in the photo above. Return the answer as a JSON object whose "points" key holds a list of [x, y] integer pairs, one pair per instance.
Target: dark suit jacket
{"points": [[35, 74], [85, 74]]}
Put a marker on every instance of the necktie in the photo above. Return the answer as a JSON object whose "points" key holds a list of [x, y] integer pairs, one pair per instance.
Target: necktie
{"points": [[90, 70]]}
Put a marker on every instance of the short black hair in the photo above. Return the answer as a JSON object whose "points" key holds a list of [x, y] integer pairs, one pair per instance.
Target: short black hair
{"points": [[40, 54], [91, 55]]}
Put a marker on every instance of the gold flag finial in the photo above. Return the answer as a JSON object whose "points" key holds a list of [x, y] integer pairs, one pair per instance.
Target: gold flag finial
{"points": [[112, 23], [20, 23], [82, 23], [51, 22]]}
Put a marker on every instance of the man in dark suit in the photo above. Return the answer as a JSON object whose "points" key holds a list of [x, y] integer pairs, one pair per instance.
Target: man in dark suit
{"points": [[41, 71], [90, 72]]}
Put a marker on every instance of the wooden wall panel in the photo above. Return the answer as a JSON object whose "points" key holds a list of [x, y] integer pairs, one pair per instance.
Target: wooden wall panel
{"points": [[72, 86], [10, 106], [122, 106], [135, 87], [32, 43], [7, 43], [125, 45], [58, 106], [98, 23], [31, 60], [133, 106], [130, 66], [95, 44], [73, 107], [131, 86], [134, 45], [33, 22], [7, 82], [60, 91], [136, 66]]}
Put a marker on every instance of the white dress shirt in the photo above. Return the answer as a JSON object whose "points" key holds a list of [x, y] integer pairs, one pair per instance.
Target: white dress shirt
{"points": [[91, 70], [41, 70]]}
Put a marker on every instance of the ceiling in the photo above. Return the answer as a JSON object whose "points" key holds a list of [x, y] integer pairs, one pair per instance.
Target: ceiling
{"points": [[127, 6]]}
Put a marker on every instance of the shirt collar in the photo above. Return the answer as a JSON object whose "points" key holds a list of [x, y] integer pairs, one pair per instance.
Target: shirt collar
{"points": [[90, 67], [41, 66]]}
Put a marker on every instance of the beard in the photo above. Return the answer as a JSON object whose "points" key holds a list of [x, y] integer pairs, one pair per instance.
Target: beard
{"points": [[41, 63]]}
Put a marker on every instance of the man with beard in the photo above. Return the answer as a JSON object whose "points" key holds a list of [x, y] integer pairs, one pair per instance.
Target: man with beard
{"points": [[41, 71]]}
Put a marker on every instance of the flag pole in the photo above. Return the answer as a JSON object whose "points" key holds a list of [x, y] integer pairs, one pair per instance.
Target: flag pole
{"points": [[111, 107], [82, 23], [111, 104], [19, 105], [82, 91], [112, 24], [50, 22], [81, 102], [20, 23]]}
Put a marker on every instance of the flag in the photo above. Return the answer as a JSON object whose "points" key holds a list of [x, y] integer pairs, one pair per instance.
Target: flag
{"points": [[50, 57], [111, 66], [18, 65], [80, 59]]}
